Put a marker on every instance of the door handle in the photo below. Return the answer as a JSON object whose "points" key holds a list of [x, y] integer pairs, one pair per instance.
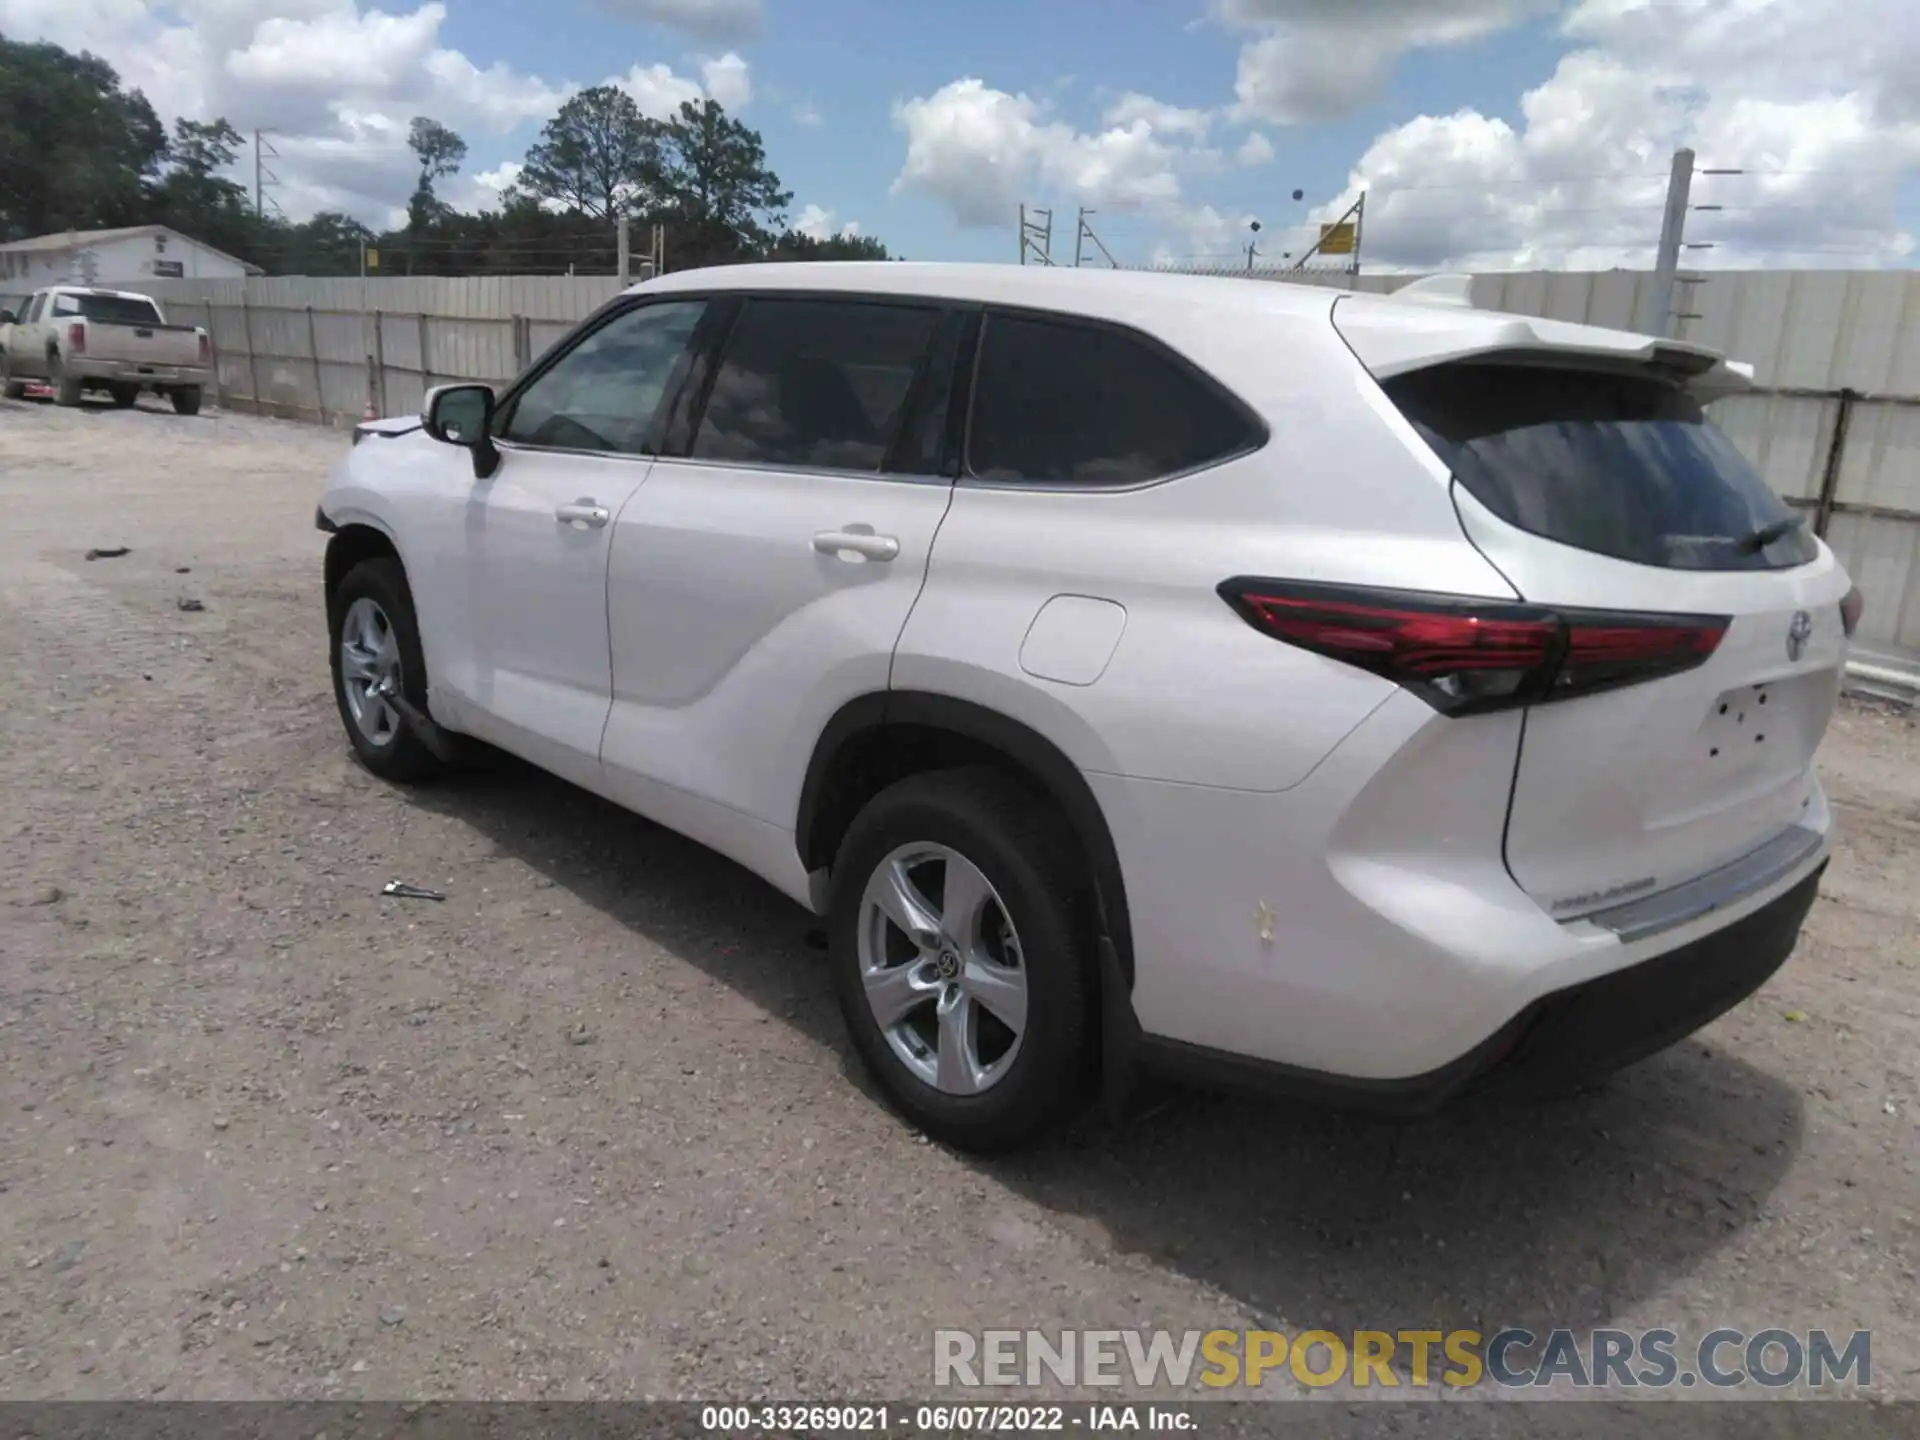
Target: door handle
{"points": [[583, 515], [863, 543]]}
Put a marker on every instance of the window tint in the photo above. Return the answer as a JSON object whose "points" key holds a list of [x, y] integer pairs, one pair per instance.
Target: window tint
{"points": [[1060, 403], [815, 383], [1619, 465], [602, 394], [108, 309], [922, 448]]}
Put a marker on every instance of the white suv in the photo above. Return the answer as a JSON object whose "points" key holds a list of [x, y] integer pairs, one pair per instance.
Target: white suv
{"points": [[1374, 697]]}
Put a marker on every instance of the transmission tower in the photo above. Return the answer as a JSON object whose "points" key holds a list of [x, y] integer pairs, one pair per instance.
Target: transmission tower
{"points": [[263, 178], [1036, 236]]}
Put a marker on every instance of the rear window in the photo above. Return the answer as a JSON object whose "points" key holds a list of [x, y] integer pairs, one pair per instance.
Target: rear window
{"points": [[1618, 465], [108, 309]]}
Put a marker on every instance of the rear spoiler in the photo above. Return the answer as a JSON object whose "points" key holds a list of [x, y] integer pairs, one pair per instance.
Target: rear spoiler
{"points": [[1433, 321]]}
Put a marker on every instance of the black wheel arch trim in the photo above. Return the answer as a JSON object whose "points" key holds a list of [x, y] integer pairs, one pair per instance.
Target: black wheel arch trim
{"points": [[1018, 741]]}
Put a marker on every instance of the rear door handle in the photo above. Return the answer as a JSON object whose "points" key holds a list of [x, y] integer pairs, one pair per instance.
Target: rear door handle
{"points": [[863, 543], [583, 515]]}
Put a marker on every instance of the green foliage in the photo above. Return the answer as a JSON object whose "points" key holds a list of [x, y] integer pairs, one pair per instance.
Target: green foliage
{"points": [[79, 152]]}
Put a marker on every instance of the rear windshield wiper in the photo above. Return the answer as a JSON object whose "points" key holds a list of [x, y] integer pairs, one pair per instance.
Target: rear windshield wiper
{"points": [[1759, 540]]}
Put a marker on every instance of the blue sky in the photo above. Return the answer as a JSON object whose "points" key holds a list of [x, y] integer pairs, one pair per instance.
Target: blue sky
{"points": [[1485, 133]]}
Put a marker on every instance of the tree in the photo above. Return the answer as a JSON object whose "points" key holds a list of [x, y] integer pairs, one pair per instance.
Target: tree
{"points": [[599, 156], [440, 152], [194, 197], [717, 184], [78, 150]]}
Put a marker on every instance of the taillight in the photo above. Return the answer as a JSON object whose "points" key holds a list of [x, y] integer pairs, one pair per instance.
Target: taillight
{"points": [[1464, 656], [76, 339], [1851, 609], [206, 348]]}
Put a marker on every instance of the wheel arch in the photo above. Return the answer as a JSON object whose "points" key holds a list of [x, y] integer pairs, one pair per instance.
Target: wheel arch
{"points": [[873, 740], [350, 543]]}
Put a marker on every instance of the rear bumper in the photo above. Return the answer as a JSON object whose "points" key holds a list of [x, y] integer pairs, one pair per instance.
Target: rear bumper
{"points": [[1580, 1033], [128, 372]]}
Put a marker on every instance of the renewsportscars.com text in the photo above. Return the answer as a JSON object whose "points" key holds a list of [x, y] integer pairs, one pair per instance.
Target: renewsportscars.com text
{"points": [[1721, 1359]]}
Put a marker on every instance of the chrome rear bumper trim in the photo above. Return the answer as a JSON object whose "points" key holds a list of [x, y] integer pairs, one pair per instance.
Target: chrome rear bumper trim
{"points": [[1715, 890]]}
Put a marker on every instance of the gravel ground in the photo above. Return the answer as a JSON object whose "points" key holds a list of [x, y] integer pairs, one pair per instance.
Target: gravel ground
{"points": [[591, 1129]]}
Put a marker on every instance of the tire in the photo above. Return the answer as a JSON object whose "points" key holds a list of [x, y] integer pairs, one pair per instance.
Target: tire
{"points": [[186, 400], [1037, 885], [124, 395], [384, 745], [66, 388], [10, 388]]}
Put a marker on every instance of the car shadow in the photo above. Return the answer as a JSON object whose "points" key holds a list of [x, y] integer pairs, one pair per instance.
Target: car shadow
{"points": [[1554, 1213]]}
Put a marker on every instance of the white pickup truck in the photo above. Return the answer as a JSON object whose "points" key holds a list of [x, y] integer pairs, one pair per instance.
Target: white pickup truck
{"points": [[75, 338]]}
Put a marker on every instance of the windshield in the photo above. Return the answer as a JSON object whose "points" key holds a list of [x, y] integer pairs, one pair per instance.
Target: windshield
{"points": [[1619, 465]]}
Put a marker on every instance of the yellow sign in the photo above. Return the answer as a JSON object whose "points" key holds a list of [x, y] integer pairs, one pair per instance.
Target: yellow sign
{"points": [[1338, 239], [373, 258]]}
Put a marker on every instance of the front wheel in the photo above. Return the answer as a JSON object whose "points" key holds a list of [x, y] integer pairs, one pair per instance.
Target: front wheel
{"points": [[186, 400], [961, 949], [10, 388], [376, 652]]}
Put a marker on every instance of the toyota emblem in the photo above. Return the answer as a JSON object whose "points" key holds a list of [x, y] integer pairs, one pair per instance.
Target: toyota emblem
{"points": [[1798, 633]]}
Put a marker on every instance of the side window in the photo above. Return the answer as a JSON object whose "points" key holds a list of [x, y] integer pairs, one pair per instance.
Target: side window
{"points": [[66, 305], [814, 383], [1056, 402], [39, 304], [602, 394]]}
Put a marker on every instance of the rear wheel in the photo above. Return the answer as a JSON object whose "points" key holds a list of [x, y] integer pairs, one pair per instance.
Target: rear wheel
{"points": [[376, 649], [962, 957], [66, 388], [124, 395], [186, 400]]}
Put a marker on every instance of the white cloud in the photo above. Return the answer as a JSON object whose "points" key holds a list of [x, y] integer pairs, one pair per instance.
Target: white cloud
{"points": [[982, 151], [1782, 90], [657, 90], [808, 114], [703, 19], [1256, 149], [727, 80], [1318, 59], [1163, 118], [816, 222]]}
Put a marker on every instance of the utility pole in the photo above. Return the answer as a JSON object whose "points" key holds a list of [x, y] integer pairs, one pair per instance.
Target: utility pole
{"points": [[1036, 236], [262, 176], [1082, 233], [1253, 245], [1656, 314], [620, 238]]}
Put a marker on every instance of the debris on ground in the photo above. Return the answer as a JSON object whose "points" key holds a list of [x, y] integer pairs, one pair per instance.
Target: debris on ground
{"points": [[109, 552], [189, 604], [401, 890]]}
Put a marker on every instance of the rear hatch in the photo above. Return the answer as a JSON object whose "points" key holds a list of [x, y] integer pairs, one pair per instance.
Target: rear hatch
{"points": [[1585, 470], [128, 328]]}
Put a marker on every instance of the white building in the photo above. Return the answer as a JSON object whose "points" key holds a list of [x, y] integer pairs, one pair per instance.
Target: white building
{"points": [[115, 259]]}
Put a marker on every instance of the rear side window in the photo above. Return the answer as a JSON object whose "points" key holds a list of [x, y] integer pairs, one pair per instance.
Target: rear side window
{"points": [[815, 384], [1056, 402], [1625, 466], [108, 309]]}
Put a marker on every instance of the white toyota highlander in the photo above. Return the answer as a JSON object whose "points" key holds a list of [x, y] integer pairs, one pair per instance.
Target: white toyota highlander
{"points": [[1376, 698]]}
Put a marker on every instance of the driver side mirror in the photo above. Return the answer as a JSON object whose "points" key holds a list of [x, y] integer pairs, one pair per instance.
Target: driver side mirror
{"points": [[463, 415]]}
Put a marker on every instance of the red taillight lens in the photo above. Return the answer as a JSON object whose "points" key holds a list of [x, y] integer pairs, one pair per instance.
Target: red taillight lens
{"points": [[1464, 656], [206, 349], [1851, 610], [76, 339]]}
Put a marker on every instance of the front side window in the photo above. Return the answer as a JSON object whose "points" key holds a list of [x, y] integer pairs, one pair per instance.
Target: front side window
{"points": [[814, 384], [1057, 402], [602, 394]]}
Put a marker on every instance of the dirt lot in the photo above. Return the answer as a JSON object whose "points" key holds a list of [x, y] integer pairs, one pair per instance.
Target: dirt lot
{"points": [[590, 1128]]}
